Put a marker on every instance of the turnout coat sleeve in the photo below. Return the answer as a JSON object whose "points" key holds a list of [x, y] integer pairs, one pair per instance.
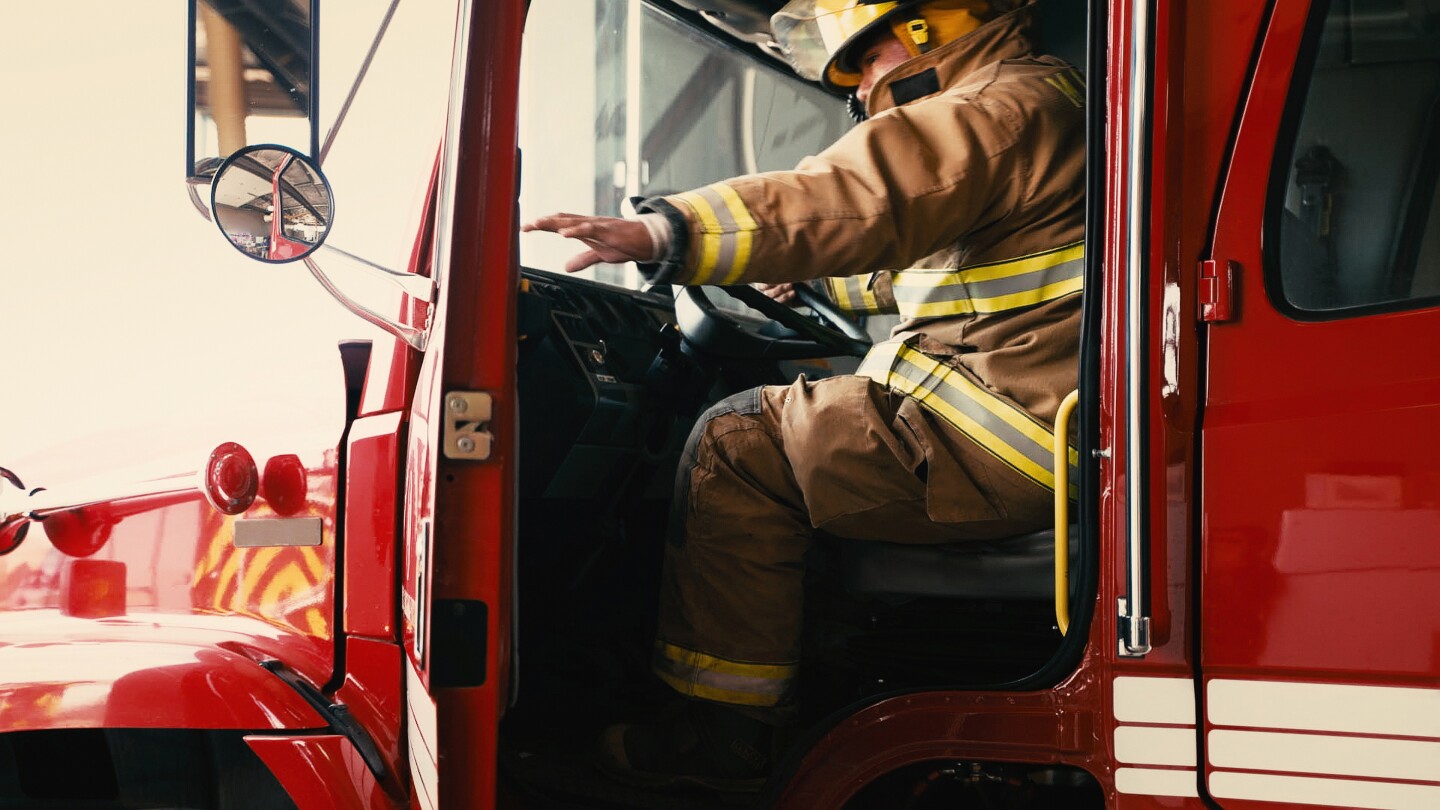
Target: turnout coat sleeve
{"points": [[868, 294], [895, 189]]}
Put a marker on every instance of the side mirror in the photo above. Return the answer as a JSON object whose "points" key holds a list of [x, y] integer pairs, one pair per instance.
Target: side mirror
{"points": [[272, 203], [252, 79]]}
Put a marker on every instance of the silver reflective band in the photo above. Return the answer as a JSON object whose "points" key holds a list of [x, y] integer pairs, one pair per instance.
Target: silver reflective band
{"points": [[1004, 430], [990, 288], [698, 674]]}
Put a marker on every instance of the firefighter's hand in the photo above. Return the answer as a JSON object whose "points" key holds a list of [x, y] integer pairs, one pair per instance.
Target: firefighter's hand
{"points": [[610, 239], [783, 293]]}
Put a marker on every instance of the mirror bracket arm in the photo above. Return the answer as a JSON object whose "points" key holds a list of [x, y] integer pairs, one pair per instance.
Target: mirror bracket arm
{"points": [[415, 338]]}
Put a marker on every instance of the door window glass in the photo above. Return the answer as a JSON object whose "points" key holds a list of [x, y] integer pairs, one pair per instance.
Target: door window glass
{"points": [[617, 100], [1355, 204]]}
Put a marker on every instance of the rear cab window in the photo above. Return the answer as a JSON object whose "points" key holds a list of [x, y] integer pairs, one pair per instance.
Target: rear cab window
{"points": [[1353, 221]]}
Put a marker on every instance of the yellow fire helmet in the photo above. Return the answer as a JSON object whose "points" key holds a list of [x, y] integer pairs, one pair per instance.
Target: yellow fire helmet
{"points": [[817, 35]]}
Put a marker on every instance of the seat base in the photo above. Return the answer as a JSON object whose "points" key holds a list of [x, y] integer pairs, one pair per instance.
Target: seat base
{"points": [[1013, 568]]}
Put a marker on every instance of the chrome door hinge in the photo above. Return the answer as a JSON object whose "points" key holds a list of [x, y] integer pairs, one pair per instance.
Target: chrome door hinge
{"points": [[1134, 631], [467, 426], [1217, 290]]}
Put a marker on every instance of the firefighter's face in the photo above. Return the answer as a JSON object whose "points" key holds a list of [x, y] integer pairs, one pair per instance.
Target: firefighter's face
{"points": [[879, 57]]}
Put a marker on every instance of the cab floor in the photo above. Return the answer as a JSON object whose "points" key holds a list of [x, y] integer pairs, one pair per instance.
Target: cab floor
{"points": [[562, 776]]}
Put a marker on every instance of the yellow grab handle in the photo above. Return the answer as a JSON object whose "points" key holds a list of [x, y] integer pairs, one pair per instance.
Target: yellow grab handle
{"points": [[1062, 510]]}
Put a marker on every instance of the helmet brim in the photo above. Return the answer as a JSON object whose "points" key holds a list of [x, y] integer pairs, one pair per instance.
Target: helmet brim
{"points": [[820, 43]]}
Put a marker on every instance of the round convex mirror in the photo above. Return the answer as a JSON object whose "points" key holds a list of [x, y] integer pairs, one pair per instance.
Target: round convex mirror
{"points": [[272, 203]]}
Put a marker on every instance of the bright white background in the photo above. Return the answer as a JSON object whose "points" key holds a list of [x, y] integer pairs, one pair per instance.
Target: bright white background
{"points": [[130, 332]]}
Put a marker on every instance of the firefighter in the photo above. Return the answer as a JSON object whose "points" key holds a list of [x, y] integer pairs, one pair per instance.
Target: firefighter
{"points": [[968, 173]]}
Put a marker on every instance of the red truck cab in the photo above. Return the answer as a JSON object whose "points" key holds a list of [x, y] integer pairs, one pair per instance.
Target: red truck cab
{"points": [[419, 571]]}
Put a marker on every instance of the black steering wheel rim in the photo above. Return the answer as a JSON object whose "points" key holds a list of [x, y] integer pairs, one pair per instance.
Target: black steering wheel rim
{"points": [[722, 333]]}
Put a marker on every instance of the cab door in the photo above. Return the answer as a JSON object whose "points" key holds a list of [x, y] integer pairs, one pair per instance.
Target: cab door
{"points": [[460, 475], [1320, 518]]}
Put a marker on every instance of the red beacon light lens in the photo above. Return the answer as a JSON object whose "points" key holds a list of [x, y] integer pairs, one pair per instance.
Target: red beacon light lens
{"points": [[79, 532], [284, 486], [230, 480]]}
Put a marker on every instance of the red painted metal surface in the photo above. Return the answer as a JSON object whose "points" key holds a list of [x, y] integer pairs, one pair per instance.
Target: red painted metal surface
{"points": [[1201, 61], [474, 502], [175, 559], [372, 481], [1321, 457], [321, 772], [140, 672], [1289, 481], [373, 693], [1060, 726]]}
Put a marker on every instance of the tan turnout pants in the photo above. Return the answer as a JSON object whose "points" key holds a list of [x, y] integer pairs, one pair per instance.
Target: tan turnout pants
{"points": [[762, 471]]}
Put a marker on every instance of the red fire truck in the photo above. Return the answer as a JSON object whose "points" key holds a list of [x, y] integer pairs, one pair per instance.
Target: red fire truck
{"points": [[439, 597]]}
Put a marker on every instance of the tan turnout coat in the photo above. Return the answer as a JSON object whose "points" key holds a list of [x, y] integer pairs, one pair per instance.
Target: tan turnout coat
{"points": [[959, 205]]}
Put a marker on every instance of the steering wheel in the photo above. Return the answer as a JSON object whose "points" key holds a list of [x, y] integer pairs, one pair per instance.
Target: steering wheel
{"points": [[725, 333]]}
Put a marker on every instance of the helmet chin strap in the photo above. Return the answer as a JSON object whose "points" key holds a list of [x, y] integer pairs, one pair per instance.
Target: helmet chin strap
{"points": [[855, 108]]}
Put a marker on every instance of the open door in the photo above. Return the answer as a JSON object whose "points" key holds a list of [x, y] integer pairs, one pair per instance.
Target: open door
{"points": [[460, 469], [1321, 456]]}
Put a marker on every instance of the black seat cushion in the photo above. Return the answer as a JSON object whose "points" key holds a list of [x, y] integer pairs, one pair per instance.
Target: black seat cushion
{"points": [[1021, 567]]}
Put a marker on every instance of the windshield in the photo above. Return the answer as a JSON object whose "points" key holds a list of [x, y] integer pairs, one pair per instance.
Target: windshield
{"points": [[619, 100]]}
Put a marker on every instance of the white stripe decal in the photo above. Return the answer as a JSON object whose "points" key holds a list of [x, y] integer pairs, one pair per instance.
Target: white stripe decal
{"points": [[1323, 707], [423, 738], [1156, 782], [1148, 745], [1321, 753], [1155, 700], [1329, 792]]}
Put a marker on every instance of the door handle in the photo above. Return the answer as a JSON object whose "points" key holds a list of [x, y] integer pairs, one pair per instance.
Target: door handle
{"points": [[1062, 510]]}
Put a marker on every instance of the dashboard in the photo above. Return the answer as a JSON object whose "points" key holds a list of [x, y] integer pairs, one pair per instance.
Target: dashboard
{"points": [[602, 381]]}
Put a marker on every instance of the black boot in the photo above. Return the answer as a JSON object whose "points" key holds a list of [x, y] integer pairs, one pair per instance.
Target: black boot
{"points": [[694, 743]]}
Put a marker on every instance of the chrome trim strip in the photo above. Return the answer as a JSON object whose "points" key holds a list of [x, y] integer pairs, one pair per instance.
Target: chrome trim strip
{"points": [[39, 502], [1134, 625]]}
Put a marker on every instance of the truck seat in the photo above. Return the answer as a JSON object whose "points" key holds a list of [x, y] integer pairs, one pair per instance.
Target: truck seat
{"points": [[1015, 568]]}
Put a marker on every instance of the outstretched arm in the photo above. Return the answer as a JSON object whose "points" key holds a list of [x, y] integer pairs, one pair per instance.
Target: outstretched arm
{"points": [[607, 239]]}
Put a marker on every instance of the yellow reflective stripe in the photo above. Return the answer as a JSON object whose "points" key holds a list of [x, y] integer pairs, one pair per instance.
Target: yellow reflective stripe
{"points": [[1017, 419], [694, 659], [743, 236], [867, 293], [709, 236], [1049, 292], [935, 401], [948, 393], [717, 694], [839, 289], [1063, 83], [1024, 264], [692, 672], [853, 293], [1000, 303], [726, 232], [989, 288], [1027, 426]]}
